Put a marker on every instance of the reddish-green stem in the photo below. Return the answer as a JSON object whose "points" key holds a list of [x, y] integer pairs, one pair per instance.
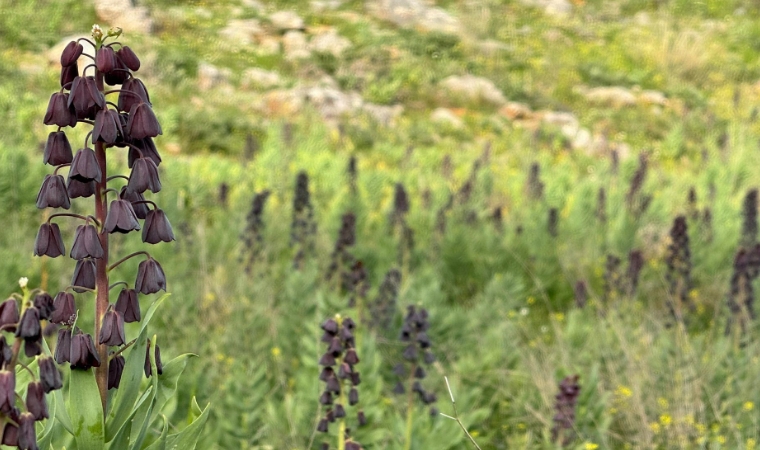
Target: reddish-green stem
{"points": [[101, 285]]}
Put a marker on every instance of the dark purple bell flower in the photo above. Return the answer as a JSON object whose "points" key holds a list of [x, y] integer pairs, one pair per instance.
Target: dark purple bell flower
{"points": [[112, 329], [128, 305], [9, 315], [107, 126], [84, 276], [35, 400], [85, 166], [50, 376], [82, 189], [118, 75], [63, 346], [130, 59], [115, 369], [29, 326], [32, 347], [142, 122], [133, 91], [7, 391], [10, 435], [105, 59], [86, 97], [64, 308], [57, 149], [147, 150], [71, 53], [353, 396], [86, 243], [60, 112], [157, 228], [68, 73], [83, 354], [27, 435], [44, 304], [6, 351], [49, 241], [53, 193], [141, 209], [150, 277], [144, 176], [121, 217]]}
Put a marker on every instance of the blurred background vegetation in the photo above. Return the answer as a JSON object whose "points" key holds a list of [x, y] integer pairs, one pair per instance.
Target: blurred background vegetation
{"points": [[491, 114]]}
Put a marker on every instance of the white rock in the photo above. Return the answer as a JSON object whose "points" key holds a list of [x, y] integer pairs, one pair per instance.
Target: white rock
{"points": [[470, 88], [649, 97], [415, 14], [210, 76], [122, 14], [268, 45], [242, 31], [329, 42], [446, 117], [325, 5], [295, 46], [286, 20], [383, 114], [260, 78], [615, 96], [254, 5]]}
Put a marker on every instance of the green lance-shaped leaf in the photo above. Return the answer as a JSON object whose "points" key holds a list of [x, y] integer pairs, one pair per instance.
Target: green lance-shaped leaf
{"points": [[187, 439], [160, 443], [85, 410], [145, 414], [123, 405]]}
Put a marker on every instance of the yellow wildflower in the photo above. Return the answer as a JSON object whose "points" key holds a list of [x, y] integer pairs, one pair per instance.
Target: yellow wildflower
{"points": [[276, 352], [624, 391], [748, 406], [590, 446], [665, 420]]}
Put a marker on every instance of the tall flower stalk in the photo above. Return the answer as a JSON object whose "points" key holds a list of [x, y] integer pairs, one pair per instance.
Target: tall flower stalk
{"points": [[120, 118]]}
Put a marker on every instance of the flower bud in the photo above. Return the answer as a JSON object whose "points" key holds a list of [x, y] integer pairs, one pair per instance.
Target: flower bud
{"points": [[49, 241], [105, 59], [351, 357], [142, 122], [130, 59], [50, 376], [361, 419], [340, 412], [86, 243], [64, 309], [150, 277], [68, 74], [112, 329], [128, 305], [353, 396], [83, 353], [159, 365], [85, 167], [84, 276], [144, 176], [35, 401], [71, 53], [322, 425], [157, 227], [57, 149], [53, 193], [115, 369], [60, 112], [121, 218]]}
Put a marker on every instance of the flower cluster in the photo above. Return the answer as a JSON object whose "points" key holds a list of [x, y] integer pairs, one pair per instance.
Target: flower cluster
{"points": [[417, 351], [358, 284], [253, 237], [636, 201], [534, 188], [635, 264], [353, 175], [26, 328], [303, 229], [741, 297], [749, 220], [127, 121], [678, 273], [601, 206], [340, 383], [566, 398], [383, 307], [552, 222], [399, 226], [341, 258]]}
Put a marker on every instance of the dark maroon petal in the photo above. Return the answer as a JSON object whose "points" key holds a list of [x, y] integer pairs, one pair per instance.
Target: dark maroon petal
{"points": [[71, 53]]}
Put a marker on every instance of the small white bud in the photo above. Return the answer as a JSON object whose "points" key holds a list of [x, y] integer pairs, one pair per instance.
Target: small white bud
{"points": [[23, 281]]}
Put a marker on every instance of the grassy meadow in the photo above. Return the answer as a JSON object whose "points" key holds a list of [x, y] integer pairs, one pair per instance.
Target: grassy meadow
{"points": [[500, 233]]}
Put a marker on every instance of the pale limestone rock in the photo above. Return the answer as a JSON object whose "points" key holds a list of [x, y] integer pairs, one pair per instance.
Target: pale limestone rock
{"points": [[295, 46], [210, 76], [415, 14], [123, 14], [242, 31], [260, 78], [330, 42], [447, 117], [471, 89], [286, 20]]}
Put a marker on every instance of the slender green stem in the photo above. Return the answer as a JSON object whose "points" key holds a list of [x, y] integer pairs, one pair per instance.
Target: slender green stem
{"points": [[409, 409], [456, 416]]}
